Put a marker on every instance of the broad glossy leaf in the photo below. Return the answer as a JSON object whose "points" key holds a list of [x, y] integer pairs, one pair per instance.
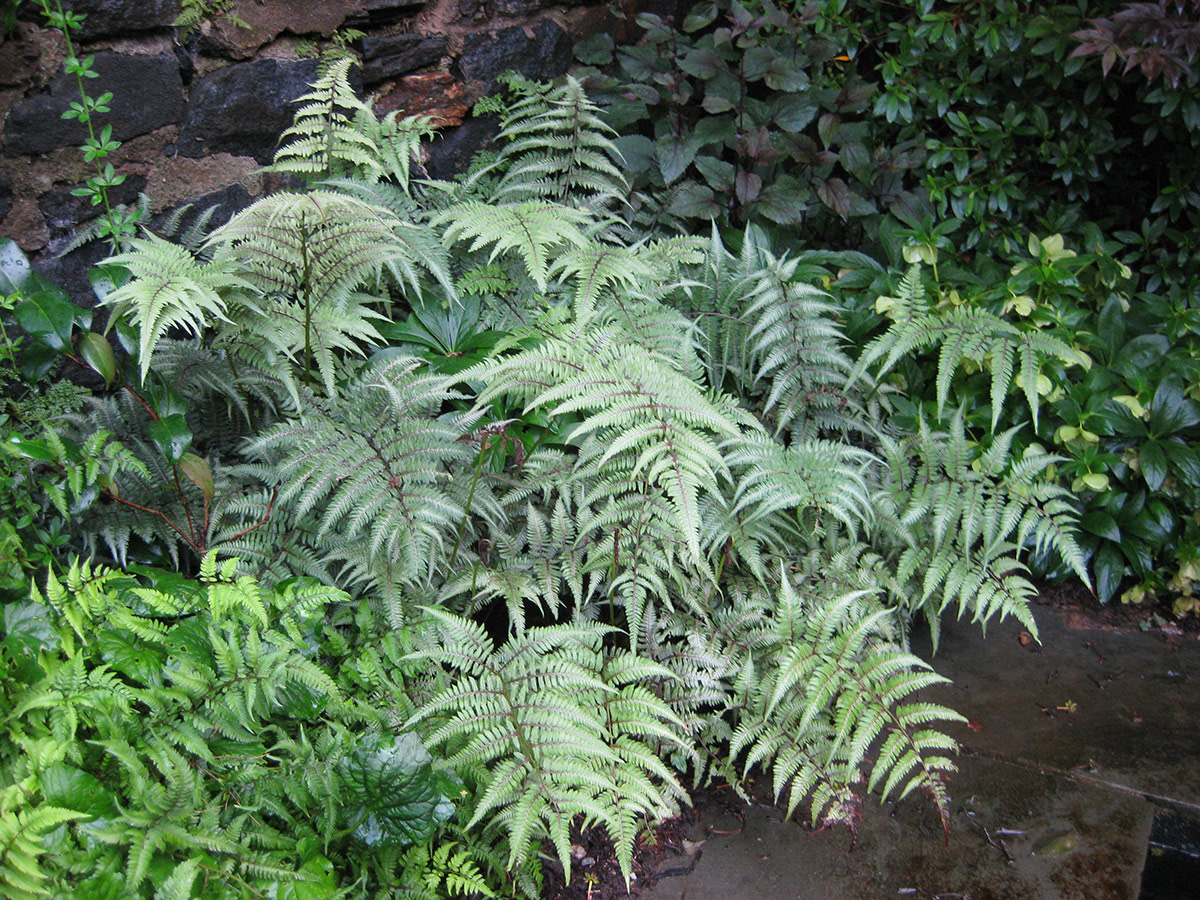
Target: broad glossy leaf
{"points": [[784, 201], [1110, 325], [716, 129], [1185, 458], [96, 351], [1098, 522], [747, 186], [756, 62], [1108, 566], [106, 279], [1171, 411], [675, 154], [321, 881], [834, 194], [1140, 355], [72, 788], [700, 17], [792, 112], [133, 656], [29, 448], [703, 63], [1154, 464], [48, 318], [196, 470], [171, 435], [15, 268], [392, 791], [784, 75], [695, 201]]}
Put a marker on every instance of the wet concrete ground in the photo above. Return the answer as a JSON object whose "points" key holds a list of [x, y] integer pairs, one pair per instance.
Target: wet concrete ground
{"points": [[1071, 747]]}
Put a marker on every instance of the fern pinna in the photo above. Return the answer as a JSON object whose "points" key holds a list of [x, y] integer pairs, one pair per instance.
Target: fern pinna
{"points": [[641, 430]]}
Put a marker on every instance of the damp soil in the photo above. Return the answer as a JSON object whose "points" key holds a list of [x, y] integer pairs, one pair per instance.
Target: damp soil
{"points": [[1083, 610]]}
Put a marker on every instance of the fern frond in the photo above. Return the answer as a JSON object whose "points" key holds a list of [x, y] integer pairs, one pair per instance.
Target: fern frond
{"points": [[531, 229], [323, 137], [169, 289], [530, 711]]}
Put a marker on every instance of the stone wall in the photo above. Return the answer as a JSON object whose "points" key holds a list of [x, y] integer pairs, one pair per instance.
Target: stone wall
{"points": [[199, 119]]}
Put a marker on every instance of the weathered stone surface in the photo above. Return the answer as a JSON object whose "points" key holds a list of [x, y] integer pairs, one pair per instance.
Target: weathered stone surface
{"points": [[472, 10], [25, 225], [18, 63], [434, 94], [452, 152], [147, 94], [174, 181], [242, 109], [104, 18], [227, 201], [520, 7], [62, 211], [269, 20], [387, 56], [6, 199], [544, 52]]}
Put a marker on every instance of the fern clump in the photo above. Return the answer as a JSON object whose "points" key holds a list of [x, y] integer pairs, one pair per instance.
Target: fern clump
{"points": [[490, 415]]}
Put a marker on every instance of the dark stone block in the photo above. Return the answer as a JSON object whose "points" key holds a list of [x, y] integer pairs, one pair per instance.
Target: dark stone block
{"points": [[70, 272], [544, 56], [244, 108], [147, 94], [107, 18], [469, 10], [63, 211], [398, 54], [6, 199], [453, 152], [520, 7], [228, 201]]}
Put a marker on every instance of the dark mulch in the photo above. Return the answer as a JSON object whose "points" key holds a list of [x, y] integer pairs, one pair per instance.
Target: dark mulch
{"points": [[595, 874], [1082, 609]]}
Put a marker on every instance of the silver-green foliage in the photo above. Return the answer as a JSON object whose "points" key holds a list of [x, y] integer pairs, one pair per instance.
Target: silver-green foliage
{"points": [[664, 436]]}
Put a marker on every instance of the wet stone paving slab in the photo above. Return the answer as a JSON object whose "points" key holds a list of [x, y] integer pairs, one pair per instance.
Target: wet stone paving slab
{"points": [[1070, 748]]}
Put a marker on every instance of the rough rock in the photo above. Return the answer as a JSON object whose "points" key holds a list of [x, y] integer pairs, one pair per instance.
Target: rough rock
{"points": [[6, 199], [62, 211], [223, 205], [18, 63], [70, 272], [147, 94], [104, 18], [387, 56], [242, 109], [25, 225], [472, 10], [269, 20], [434, 94], [452, 153], [541, 53], [177, 180], [515, 8]]}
